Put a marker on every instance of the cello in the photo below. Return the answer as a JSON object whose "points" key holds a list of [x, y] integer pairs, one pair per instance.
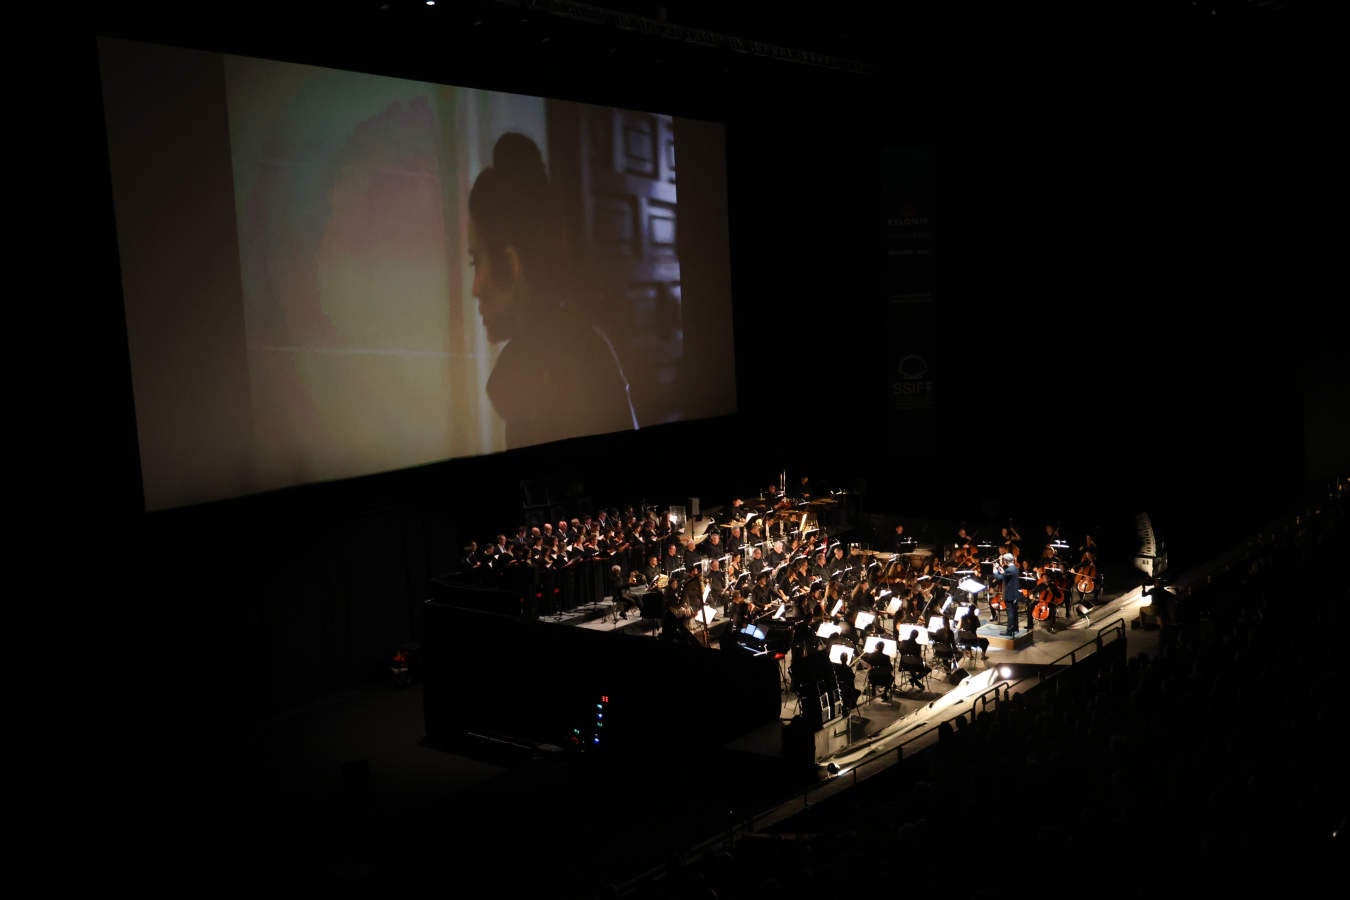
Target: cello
{"points": [[1086, 574], [1041, 588], [1042, 610]]}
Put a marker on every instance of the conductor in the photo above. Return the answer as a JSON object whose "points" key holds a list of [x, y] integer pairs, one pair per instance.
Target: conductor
{"points": [[1005, 571]]}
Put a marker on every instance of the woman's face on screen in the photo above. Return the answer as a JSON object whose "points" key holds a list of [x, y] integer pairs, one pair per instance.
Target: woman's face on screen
{"points": [[494, 290]]}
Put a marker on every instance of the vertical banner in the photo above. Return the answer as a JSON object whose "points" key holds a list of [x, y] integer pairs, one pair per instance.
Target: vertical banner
{"points": [[911, 344]]}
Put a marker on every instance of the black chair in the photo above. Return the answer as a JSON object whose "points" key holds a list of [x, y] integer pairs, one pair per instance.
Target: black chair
{"points": [[968, 642], [880, 677], [916, 671], [946, 655]]}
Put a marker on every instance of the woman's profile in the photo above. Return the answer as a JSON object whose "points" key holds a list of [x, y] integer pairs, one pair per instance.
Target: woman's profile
{"points": [[557, 375]]}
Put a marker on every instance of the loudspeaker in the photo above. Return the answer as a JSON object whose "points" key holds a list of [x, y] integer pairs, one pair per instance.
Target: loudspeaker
{"points": [[956, 675]]}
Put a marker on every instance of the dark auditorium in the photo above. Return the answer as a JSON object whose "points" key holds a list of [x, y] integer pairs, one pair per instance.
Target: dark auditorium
{"points": [[679, 450]]}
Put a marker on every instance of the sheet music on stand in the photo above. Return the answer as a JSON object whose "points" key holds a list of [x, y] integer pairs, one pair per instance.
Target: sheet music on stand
{"points": [[894, 606], [837, 651], [863, 619], [971, 586], [827, 630], [889, 646]]}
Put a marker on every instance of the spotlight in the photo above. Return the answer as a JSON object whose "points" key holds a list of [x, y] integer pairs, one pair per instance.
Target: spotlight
{"points": [[1005, 672]]}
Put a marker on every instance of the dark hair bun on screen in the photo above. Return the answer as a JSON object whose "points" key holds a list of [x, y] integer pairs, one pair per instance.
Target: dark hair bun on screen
{"points": [[518, 158]]}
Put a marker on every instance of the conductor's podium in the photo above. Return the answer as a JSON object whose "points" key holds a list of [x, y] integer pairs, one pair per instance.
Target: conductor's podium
{"points": [[999, 640]]}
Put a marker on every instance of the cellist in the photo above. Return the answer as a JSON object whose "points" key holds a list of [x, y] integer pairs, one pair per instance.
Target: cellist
{"points": [[1087, 582]]}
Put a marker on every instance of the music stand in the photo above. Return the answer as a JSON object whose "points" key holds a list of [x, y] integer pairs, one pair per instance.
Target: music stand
{"points": [[888, 646], [935, 623], [838, 650], [827, 629], [894, 606], [838, 605], [707, 615], [971, 586], [863, 620]]}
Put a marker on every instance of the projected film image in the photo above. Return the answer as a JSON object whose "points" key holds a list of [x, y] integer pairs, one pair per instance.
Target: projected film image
{"points": [[328, 273]]}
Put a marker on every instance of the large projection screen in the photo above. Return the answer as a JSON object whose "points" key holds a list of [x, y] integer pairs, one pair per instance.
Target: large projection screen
{"points": [[298, 271]]}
